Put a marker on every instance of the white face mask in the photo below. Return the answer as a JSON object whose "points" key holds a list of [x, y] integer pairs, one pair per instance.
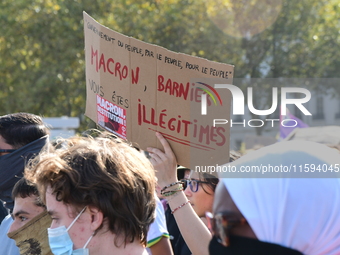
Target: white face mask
{"points": [[61, 242]]}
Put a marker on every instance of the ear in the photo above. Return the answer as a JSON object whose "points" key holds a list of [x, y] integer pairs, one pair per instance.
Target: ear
{"points": [[96, 218]]}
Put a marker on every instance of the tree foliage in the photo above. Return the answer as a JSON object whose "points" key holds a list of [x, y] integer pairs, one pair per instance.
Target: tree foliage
{"points": [[42, 43]]}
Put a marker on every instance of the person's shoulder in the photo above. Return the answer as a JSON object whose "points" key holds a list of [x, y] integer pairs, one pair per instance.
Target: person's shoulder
{"points": [[3, 212], [6, 222], [8, 246]]}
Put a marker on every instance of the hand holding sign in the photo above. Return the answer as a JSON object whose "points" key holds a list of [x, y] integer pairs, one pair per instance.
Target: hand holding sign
{"points": [[165, 162]]}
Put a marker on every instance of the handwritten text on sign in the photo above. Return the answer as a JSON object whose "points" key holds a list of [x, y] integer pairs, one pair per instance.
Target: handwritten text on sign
{"points": [[135, 88]]}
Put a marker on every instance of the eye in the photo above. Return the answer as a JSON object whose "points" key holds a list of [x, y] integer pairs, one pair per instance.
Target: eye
{"points": [[23, 218]]}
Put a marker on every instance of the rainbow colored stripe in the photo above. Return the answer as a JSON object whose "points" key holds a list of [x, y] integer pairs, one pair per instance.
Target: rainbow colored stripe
{"points": [[209, 93]]}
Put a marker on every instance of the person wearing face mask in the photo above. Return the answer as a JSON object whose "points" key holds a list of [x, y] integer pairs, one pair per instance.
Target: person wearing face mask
{"points": [[188, 200], [279, 216], [31, 220], [22, 135], [99, 193]]}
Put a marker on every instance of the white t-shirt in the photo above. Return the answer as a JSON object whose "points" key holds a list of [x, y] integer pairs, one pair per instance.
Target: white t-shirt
{"points": [[158, 228]]}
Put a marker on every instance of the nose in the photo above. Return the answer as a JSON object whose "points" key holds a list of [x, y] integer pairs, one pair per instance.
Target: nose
{"points": [[13, 227], [187, 191]]}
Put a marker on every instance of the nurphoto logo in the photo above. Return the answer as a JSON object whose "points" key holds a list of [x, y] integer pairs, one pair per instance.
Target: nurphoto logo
{"points": [[239, 105]]}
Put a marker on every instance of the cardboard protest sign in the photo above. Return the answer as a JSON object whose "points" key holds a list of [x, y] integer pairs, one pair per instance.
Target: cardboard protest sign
{"points": [[135, 88]]}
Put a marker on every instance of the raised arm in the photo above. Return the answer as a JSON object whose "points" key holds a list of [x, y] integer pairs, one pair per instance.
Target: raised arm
{"points": [[193, 230]]}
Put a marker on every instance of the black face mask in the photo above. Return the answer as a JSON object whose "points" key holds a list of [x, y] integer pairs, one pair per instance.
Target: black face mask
{"points": [[247, 246], [12, 167]]}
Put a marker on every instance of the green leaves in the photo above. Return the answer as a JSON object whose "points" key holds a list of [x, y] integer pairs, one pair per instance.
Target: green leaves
{"points": [[41, 42]]}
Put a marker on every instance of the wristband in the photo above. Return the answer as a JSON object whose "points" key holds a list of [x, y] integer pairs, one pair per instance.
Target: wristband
{"points": [[170, 185], [174, 210], [171, 192]]}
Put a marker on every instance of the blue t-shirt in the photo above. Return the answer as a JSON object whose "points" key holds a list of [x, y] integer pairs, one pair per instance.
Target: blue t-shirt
{"points": [[8, 246]]}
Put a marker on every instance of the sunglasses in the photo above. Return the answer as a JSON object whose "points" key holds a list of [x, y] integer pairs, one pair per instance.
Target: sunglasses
{"points": [[193, 184], [220, 224], [7, 150]]}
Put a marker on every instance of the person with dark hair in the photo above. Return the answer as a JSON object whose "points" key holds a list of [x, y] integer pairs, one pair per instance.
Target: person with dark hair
{"points": [[99, 193], [22, 135], [31, 220], [199, 188], [188, 200], [25, 210], [20, 129]]}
